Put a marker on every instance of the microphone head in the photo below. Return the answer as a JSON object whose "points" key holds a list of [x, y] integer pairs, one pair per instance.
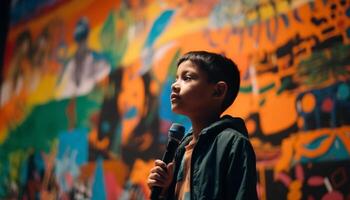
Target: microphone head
{"points": [[176, 132]]}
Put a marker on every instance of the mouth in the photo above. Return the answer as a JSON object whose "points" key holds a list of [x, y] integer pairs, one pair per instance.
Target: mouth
{"points": [[174, 97]]}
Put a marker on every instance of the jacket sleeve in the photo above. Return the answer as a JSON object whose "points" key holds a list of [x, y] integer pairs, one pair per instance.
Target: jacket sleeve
{"points": [[241, 177]]}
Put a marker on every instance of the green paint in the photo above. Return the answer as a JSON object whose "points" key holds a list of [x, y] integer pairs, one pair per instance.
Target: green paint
{"points": [[262, 102], [173, 64], [247, 89], [266, 88], [114, 41], [325, 64], [39, 132], [284, 84]]}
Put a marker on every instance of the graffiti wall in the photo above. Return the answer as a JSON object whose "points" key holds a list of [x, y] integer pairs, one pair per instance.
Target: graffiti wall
{"points": [[84, 104]]}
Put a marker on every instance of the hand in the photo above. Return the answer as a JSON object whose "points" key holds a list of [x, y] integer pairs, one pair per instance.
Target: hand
{"points": [[161, 175]]}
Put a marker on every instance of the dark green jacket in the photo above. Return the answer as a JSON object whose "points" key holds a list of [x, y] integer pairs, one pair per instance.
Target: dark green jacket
{"points": [[222, 165]]}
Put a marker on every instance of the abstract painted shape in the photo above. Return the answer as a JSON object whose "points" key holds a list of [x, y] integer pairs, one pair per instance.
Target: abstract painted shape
{"points": [[98, 185]]}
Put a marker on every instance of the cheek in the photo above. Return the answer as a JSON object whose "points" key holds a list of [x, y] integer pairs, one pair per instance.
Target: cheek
{"points": [[197, 94]]}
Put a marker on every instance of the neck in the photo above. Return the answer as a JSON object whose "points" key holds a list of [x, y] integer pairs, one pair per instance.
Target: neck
{"points": [[198, 124]]}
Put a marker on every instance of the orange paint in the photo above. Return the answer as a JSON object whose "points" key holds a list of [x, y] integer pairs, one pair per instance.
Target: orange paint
{"points": [[308, 103]]}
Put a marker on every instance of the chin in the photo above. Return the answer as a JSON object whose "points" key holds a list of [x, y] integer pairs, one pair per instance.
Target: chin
{"points": [[174, 109], [177, 111]]}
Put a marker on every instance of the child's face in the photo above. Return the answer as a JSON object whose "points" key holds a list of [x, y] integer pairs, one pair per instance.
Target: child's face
{"points": [[192, 94]]}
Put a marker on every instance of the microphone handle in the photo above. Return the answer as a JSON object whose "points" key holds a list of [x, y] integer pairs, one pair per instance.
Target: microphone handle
{"points": [[155, 192], [167, 158]]}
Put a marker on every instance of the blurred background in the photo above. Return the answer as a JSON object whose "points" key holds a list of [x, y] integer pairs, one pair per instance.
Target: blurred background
{"points": [[85, 85]]}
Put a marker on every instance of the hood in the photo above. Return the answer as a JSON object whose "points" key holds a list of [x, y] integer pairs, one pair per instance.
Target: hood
{"points": [[227, 121]]}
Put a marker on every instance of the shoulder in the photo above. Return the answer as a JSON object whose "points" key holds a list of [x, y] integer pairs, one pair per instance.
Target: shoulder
{"points": [[234, 140], [232, 134]]}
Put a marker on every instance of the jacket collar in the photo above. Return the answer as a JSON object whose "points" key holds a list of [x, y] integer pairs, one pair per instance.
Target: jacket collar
{"points": [[225, 121]]}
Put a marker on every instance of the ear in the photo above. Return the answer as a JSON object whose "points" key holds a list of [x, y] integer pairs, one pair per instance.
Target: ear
{"points": [[220, 89]]}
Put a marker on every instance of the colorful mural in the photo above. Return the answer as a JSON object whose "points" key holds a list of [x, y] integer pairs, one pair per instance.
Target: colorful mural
{"points": [[84, 105]]}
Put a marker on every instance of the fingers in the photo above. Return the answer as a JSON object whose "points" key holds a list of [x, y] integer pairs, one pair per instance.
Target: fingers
{"points": [[160, 175], [160, 163], [170, 169]]}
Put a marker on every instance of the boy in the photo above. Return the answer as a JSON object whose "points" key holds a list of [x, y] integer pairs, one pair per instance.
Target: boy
{"points": [[215, 160]]}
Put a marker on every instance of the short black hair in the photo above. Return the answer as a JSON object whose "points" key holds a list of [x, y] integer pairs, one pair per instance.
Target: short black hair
{"points": [[218, 68]]}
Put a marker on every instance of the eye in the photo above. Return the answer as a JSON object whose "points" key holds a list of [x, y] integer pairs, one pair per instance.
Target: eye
{"points": [[187, 78]]}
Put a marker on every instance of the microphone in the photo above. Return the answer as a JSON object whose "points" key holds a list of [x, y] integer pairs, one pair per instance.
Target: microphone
{"points": [[176, 133]]}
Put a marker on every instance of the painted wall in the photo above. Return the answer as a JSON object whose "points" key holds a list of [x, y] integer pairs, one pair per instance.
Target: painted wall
{"points": [[85, 109]]}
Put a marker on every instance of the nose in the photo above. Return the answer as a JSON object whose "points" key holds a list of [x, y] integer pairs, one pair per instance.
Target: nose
{"points": [[175, 87]]}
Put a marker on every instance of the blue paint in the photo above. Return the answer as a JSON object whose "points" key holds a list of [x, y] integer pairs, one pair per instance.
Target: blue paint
{"points": [[339, 93], [74, 142], [272, 34], [316, 143], [23, 177], [39, 162], [25, 9], [348, 32], [98, 187], [105, 126], [131, 113], [116, 142], [347, 12], [158, 27], [285, 20], [343, 92], [296, 16], [335, 153]]}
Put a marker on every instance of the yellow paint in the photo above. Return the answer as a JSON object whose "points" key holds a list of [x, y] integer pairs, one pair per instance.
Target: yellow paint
{"points": [[133, 50], [282, 6], [72, 49], [252, 15], [267, 11], [94, 38], [44, 92], [3, 135], [152, 11], [181, 27], [16, 159]]}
